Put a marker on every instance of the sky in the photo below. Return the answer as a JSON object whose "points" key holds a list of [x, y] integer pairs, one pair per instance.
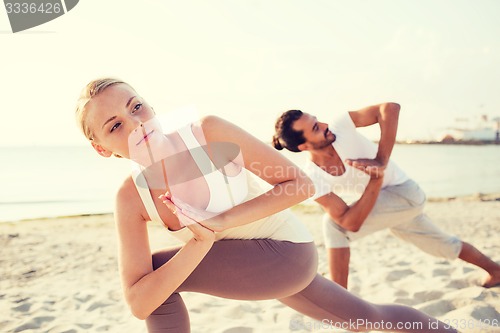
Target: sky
{"points": [[249, 60]]}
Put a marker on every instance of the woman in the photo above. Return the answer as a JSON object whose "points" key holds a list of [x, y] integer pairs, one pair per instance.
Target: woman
{"points": [[245, 245]]}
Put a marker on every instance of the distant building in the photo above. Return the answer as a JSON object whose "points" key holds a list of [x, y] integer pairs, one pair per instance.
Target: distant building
{"points": [[482, 129]]}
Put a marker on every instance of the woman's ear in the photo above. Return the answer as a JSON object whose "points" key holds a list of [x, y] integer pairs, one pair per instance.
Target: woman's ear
{"points": [[100, 150]]}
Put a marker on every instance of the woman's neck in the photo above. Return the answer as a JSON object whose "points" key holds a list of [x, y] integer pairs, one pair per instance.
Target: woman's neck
{"points": [[155, 158]]}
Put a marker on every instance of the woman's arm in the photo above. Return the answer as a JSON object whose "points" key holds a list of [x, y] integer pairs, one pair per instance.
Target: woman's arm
{"points": [[290, 184], [144, 288]]}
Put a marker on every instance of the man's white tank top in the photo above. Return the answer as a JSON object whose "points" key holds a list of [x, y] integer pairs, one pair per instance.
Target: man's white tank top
{"points": [[350, 144]]}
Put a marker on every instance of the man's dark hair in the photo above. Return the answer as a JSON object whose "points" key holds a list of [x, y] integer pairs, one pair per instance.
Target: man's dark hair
{"points": [[286, 136]]}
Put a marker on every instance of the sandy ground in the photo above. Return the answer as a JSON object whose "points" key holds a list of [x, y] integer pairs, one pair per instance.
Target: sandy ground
{"points": [[60, 275]]}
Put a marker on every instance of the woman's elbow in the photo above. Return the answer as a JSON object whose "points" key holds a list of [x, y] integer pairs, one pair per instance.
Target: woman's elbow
{"points": [[138, 312], [135, 307]]}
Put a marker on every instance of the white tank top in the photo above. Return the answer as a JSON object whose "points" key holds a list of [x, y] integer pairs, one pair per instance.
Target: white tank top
{"points": [[225, 193], [350, 144]]}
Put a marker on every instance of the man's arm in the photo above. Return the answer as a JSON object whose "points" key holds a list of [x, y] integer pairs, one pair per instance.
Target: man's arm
{"points": [[386, 115], [351, 217]]}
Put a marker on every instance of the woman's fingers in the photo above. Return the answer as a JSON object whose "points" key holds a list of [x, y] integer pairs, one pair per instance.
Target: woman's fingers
{"points": [[168, 197], [165, 196], [187, 218], [170, 205], [169, 201], [201, 233], [184, 219], [188, 210]]}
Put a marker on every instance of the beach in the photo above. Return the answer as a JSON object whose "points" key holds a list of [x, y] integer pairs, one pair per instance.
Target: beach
{"points": [[61, 275]]}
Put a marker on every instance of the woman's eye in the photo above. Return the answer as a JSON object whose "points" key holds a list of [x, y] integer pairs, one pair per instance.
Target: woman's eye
{"points": [[137, 107], [115, 126]]}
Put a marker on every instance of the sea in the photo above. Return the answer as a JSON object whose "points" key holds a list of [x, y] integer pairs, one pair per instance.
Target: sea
{"points": [[43, 182]]}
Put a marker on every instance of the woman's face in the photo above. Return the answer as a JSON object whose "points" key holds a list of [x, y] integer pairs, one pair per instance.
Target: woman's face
{"points": [[115, 117]]}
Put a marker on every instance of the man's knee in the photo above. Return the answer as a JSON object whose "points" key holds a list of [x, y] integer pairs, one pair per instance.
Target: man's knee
{"points": [[334, 237], [438, 245]]}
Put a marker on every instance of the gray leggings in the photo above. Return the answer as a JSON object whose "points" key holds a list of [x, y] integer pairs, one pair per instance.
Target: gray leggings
{"points": [[269, 269]]}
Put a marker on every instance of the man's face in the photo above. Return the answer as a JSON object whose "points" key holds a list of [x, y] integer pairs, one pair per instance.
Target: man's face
{"points": [[316, 133]]}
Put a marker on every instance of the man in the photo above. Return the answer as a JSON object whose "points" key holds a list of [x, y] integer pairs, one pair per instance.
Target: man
{"points": [[342, 161]]}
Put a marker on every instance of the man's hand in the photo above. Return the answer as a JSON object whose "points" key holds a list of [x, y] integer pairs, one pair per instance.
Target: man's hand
{"points": [[371, 167]]}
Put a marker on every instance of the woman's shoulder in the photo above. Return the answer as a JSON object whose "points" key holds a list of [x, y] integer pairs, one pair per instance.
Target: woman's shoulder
{"points": [[210, 128], [215, 128], [128, 201], [208, 123], [127, 191]]}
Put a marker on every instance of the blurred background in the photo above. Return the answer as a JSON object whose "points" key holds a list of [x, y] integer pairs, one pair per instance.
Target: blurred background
{"points": [[248, 61]]}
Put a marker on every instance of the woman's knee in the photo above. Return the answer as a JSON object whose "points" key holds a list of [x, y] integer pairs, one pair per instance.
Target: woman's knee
{"points": [[172, 316]]}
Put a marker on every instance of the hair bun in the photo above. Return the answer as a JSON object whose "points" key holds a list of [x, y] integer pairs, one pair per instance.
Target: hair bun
{"points": [[276, 143]]}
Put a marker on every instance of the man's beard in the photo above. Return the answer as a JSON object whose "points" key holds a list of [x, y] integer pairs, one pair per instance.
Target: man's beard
{"points": [[322, 144], [325, 143]]}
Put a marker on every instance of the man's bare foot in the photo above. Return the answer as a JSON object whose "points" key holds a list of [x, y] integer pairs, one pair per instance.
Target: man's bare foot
{"points": [[492, 280]]}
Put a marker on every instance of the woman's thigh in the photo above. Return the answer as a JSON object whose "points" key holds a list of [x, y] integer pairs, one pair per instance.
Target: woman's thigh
{"points": [[250, 269]]}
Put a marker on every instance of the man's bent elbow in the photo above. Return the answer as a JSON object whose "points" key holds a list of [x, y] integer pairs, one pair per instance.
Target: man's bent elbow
{"points": [[349, 225], [392, 107], [353, 228], [306, 186]]}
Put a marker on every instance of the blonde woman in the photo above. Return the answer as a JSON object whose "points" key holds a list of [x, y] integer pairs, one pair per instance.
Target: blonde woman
{"points": [[240, 242]]}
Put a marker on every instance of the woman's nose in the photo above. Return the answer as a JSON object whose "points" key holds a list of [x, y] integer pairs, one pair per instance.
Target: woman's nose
{"points": [[136, 124]]}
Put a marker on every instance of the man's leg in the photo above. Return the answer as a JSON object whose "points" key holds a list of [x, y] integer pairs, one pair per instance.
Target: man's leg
{"points": [[337, 251], [395, 204], [424, 234], [473, 256], [338, 263]]}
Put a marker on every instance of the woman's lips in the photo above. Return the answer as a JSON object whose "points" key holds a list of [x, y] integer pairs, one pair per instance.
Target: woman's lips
{"points": [[145, 138]]}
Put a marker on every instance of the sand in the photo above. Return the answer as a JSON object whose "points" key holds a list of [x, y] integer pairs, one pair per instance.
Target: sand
{"points": [[60, 275]]}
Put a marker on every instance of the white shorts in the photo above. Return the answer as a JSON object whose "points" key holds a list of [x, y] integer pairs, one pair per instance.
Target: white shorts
{"points": [[400, 208]]}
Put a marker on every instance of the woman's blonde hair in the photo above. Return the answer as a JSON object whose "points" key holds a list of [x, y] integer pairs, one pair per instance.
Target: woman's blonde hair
{"points": [[91, 90]]}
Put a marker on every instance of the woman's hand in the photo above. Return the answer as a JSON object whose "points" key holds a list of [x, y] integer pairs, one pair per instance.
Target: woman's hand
{"points": [[195, 215], [189, 215], [201, 233]]}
